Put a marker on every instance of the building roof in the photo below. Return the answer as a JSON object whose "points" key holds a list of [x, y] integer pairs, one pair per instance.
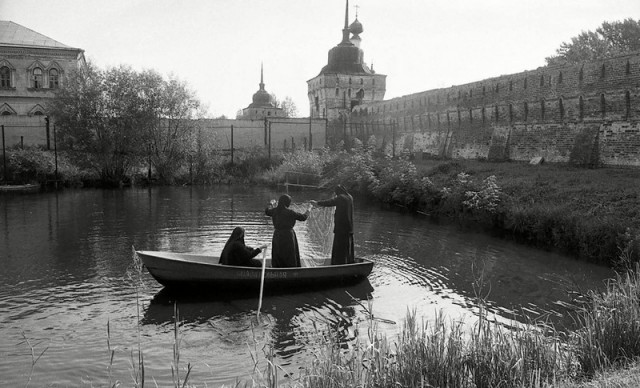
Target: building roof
{"points": [[13, 34]]}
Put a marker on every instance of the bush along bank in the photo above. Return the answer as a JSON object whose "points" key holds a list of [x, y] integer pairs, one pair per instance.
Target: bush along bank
{"points": [[587, 214]]}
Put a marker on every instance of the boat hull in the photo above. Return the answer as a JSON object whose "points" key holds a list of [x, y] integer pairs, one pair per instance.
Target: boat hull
{"points": [[180, 271]]}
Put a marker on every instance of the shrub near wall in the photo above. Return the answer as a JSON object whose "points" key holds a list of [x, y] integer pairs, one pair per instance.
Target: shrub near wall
{"points": [[589, 214]]}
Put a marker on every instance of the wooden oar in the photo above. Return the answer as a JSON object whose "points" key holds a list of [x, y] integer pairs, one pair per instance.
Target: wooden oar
{"points": [[264, 264]]}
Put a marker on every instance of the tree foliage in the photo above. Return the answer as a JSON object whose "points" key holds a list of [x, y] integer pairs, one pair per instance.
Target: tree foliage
{"points": [[287, 105], [113, 119], [608, 40]]}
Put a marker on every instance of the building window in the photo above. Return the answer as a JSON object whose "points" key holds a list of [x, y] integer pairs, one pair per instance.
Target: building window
{"points": [[497, 113], [37, 78], [470, 116], [53, 79], [628, 68], [510, 85], [560, 78], [627, 102], [526, 111], [542, 112], [337, 92], [361, 81], [5, 113], [581, 74], [561, 109], [5, 77], [542, 80], [603, 105], [510, 113], [602, 71], [525, 83], [581, 108]]}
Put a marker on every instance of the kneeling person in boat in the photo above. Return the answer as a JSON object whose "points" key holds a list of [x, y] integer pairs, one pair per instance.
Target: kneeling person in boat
{"points": [[236, 252]]}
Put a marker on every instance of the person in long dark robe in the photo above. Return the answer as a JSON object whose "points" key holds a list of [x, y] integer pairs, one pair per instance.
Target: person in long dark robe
{"points": [[342, 251], [284, 246], [236, 252]]}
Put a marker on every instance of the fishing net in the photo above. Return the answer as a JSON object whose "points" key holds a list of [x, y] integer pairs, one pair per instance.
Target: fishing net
{"points": [[315, 236]]}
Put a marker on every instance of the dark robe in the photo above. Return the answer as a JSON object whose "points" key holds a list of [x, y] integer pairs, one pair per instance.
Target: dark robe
{"points": [[342, 251], [284, 245], [235, 251]]}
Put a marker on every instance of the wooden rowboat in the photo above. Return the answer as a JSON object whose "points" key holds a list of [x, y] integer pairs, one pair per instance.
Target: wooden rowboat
{"points": [[182, 270]]}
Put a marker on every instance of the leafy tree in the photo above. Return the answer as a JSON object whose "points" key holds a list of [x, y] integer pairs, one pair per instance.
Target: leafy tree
{"points": [[608, 40], [287, 105], [111, 119]]}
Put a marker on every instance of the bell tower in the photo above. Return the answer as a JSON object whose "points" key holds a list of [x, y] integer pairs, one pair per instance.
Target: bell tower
{"points": [[346, 81]]}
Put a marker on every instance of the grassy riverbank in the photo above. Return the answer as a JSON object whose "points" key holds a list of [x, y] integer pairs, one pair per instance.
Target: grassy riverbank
{"points": [[591, 214]]}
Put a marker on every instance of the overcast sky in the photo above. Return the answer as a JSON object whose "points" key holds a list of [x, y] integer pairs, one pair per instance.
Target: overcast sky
{"points": [[216, 46]]}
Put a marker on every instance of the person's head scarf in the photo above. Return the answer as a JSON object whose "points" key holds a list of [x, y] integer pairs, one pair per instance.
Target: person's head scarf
{"points": [[284, 201], [236, 236], [341, 190]]}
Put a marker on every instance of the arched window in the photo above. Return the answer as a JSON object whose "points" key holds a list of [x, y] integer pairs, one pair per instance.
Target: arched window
{"points": [[53, 79], [603, 105], [560, 78], [5, 77], [37, 78], [5, 113]]}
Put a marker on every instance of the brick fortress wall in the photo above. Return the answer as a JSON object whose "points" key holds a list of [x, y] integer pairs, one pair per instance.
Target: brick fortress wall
{"points": [[587, 114]]}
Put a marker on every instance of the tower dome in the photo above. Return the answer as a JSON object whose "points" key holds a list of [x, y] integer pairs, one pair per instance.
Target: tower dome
{"points": [[261, 98], [356, 27]]}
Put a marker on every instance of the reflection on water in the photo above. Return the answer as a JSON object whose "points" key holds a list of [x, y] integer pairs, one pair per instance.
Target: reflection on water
{"points": [[67, 276]]}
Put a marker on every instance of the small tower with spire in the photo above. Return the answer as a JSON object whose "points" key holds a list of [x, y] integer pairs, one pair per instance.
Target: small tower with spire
{"points": [[346, 81], [262, 106]]}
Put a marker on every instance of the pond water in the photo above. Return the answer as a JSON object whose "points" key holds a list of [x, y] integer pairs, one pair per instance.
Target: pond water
{"points": [[74, 310]]}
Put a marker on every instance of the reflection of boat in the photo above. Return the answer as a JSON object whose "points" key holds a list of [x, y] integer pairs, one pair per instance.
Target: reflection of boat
{"points": [[17, 189], [181, 270], [199, 307]]}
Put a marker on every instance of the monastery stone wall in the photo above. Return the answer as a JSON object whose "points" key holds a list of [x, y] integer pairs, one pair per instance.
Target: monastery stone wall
{"points": [[587, 114]]}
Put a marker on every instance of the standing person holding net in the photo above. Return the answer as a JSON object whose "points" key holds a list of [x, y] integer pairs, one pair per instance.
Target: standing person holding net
{"points": [[284, 249], [342, 251]]}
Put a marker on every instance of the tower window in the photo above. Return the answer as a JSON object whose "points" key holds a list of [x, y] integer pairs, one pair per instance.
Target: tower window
{"points": [[337, 92], [602, 71], [560, 78], [361, 81], [525, 83], [53, 79], [37, 78], [526, 111], [510, 85], [581, 74], [561, 109], [628, 68], [542, 110], [603, 105], [542, 80], [581, 108], [5, 77], [627, 102]]}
